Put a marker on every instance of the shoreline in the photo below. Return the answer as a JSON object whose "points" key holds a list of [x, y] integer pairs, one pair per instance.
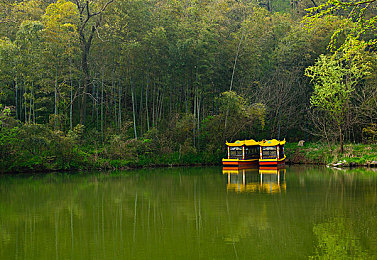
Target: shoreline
{"points": [[127, 168], [123, 168], [355, 155]]}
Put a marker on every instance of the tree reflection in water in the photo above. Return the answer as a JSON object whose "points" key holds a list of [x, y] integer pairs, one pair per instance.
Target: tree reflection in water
{"points": [[190, 213], [336, 240]]}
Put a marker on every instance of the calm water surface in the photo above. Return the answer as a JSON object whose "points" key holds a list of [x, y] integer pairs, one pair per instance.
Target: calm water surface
{"points": [[197, 213]]}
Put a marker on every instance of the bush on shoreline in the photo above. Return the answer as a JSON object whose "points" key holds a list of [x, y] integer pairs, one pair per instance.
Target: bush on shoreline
{"points": [[39, 148]]}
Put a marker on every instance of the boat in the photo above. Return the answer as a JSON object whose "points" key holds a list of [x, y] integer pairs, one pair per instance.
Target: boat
{"points": [[272, 153], [242, 153]]}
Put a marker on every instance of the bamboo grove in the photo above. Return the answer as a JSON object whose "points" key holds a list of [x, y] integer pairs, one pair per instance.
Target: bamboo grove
{"points": [[177, 77]]}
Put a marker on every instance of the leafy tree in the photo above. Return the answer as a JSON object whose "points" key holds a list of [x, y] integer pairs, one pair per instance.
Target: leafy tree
{"points": [[242, 117], [60, 36], [334, 84], [90, 16]]}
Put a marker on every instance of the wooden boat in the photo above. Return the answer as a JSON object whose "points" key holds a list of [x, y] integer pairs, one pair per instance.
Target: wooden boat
{"points": [[242, 153], [272, 153]]}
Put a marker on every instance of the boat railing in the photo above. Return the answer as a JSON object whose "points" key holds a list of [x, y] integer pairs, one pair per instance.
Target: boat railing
{"points": [[269, 157], [235, 157]]}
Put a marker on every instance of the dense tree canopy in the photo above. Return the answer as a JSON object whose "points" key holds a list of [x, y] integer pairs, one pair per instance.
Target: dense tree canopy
{"points": [[161, 70]]}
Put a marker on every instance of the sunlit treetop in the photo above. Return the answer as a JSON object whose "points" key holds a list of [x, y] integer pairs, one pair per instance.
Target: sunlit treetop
{"points": [[358, 26], [61, 14]]}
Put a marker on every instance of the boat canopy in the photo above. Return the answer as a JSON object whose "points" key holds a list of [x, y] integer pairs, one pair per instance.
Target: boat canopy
{"points": [[250, 142], [272, 142]]}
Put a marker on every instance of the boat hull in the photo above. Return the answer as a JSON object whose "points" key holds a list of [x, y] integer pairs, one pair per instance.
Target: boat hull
{"points": [[239, 163], [271, 162]]}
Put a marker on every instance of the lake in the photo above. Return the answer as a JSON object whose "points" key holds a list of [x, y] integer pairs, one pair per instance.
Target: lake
{"points": [[190, 213]]}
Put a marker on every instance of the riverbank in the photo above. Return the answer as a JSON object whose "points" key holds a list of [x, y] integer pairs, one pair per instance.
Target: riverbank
{"points": [[43, 150], [323, 154], [38, 148], [87, 159], [90, 162]]}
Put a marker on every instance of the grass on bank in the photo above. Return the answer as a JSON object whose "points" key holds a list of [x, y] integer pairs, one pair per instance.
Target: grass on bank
{"points": [[319, 153]]}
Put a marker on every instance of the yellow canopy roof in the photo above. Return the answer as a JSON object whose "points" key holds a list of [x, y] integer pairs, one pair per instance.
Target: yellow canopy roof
{"points": [[243, 142], [272, 142]]}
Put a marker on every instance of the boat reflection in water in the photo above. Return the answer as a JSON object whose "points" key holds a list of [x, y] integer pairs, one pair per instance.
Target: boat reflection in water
{"points": [[262, 180]]}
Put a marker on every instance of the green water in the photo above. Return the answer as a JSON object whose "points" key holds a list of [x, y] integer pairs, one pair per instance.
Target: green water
{"points": [[190, 213]]}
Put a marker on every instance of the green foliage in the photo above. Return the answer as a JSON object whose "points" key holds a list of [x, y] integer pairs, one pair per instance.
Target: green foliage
{"points": [[7, 52], [36, 147], [358, 22], [8, 142], [124, 149], [370, 133], [335, 81], [77, 133], [240, 114], [330, 91]]}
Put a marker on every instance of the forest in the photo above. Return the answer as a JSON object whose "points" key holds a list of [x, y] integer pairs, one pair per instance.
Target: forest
{"points": [[112, 84]]}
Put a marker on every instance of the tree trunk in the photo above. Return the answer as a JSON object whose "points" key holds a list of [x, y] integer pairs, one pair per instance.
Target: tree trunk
{"points": [[71, 105], [24, 103], [97, 106], [133, 109], [16, 87], [119, 104], [31, 101], [146, 104], [113, 92], [141, 110], [231, 80], [102, 106], [33, 106], [341, 140], [161, 106], [85, 69], [93, 99], [85, 15], [153, 105], [193, 122], [56, 97]]}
